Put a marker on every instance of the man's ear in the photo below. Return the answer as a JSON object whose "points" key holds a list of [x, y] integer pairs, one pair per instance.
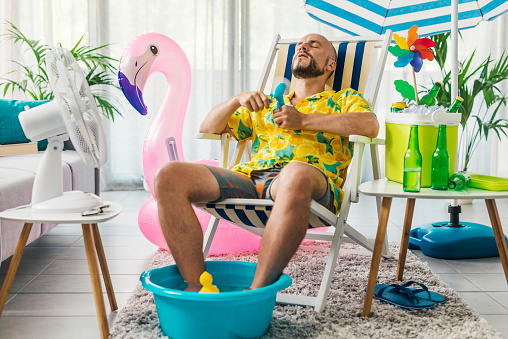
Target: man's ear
{"points": [[331, 65]]}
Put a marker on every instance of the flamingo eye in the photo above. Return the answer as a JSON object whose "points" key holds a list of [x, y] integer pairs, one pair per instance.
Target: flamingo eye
{"points": [[154, 50]]}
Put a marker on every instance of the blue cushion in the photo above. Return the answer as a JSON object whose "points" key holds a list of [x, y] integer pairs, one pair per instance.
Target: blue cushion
{"points": [[10, 128]]}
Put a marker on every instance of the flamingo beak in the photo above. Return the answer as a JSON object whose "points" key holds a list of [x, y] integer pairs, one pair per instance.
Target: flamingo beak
{"points": [[132, 93], [132, 75]]}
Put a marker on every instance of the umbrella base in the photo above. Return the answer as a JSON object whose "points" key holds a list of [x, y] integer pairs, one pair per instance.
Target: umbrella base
{"points": [[469, 240]]}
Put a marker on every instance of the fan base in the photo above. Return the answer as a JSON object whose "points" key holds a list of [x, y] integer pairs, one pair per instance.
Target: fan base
{"points": [[69, 202]]}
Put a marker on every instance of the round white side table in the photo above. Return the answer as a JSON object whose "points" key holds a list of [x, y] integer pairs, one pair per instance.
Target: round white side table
{"points": [[389, 189], [93, 247]]}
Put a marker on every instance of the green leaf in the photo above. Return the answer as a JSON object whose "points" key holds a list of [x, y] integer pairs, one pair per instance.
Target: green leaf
{"points": [[6, 88], [405, 89], [100, 70], [440, 49], [502, 101], [312, 159]]}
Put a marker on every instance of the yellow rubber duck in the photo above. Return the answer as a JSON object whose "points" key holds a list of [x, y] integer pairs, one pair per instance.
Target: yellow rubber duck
{"points": [[206, 280]]}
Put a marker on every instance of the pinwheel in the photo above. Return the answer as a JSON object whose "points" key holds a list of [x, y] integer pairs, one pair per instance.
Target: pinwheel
{"points": [[412, 51]]}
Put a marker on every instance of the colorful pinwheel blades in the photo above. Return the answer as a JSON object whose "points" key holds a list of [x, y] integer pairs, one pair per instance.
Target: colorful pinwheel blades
{"points": [[411, 50], [398, 52], [403, 61], [417, 61]]}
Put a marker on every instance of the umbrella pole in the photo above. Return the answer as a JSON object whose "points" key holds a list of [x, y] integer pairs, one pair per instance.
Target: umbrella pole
{"points": [[455, 43], [414, 81], [455, 67]]}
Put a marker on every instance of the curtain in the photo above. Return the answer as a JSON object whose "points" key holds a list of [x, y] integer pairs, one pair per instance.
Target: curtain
{"points": [[205, 30], [226, 42]]}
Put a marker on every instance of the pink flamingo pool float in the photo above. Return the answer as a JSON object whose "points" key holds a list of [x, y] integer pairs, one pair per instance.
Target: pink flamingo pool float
{"points": [[146, 54]]}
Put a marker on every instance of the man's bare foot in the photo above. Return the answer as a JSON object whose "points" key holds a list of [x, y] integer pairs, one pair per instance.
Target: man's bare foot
{"points": [[193, 287]]}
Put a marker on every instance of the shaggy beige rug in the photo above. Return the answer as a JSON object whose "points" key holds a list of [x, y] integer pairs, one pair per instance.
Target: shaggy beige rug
{"points": [[341, 317]]}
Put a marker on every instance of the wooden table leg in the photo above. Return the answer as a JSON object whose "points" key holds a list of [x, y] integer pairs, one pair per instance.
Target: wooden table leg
{"points": [[376, 254], [96, 283], [498, 234], [104, 267], [13, 267], [408, 219]]}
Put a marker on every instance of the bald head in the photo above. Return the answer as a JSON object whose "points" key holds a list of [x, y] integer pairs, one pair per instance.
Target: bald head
{"points": [[325, 43], [314, 57]]}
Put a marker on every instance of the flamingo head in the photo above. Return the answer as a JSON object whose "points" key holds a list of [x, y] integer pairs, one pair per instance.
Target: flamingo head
{"points": [[136, 66]]}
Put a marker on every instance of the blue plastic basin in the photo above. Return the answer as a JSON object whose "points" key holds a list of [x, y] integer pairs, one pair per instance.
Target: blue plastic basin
{"points": [[231, 314]]}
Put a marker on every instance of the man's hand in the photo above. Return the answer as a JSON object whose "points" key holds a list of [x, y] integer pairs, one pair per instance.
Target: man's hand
{"points": [[254, 101], [288, 117]]}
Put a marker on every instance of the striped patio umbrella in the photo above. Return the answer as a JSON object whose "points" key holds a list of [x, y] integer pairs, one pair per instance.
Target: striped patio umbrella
{"points": [[364, 17]]}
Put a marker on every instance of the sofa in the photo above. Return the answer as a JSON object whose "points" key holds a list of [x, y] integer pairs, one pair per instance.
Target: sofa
{"points": [[17, 174]]}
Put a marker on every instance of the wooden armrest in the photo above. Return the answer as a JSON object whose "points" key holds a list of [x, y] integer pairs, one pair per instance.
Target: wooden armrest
{"points": [[209, 136], [366, 140]]}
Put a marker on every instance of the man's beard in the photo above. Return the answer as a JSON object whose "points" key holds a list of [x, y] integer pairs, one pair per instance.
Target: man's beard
{"points": [[306, 72]]}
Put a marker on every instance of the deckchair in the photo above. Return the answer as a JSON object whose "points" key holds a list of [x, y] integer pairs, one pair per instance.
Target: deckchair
{"points": [[360, 65]]}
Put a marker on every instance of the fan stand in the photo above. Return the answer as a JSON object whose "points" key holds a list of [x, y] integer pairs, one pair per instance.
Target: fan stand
{"points": [[47, 194]]}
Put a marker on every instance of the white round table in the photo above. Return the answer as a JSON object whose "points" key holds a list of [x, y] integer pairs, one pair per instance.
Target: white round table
{"points": [[389, 189], [93, 247]]}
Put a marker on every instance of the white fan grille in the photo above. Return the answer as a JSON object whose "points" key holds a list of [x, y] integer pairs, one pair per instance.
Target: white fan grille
{"points": [[77, 107]]}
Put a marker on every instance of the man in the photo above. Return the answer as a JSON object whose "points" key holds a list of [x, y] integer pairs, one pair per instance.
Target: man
{"points": [[300, 153]]}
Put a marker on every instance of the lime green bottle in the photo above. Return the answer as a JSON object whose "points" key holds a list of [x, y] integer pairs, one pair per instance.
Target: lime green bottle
{"points": [[459, 181], [454, 108], [439, 174], [429, 99], [412, 163]]}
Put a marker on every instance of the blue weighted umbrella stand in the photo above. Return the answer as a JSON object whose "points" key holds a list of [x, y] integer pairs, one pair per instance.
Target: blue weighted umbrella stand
{"points": [[454, 240]]}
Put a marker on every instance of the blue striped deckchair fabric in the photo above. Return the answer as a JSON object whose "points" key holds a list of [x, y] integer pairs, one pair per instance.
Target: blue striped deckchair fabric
{"points": [[364, 17], [353, 65], [250, 215]]}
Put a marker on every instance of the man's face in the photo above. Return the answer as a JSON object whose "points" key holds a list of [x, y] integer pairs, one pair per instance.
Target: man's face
{"points": [[312, 55]]}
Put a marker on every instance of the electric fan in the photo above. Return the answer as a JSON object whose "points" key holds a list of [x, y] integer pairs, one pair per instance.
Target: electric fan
{"points": [[72, 114]]}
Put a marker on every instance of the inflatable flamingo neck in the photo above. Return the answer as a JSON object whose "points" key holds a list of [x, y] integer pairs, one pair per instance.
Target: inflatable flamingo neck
{"points": [[143, 56], [170, 116]]}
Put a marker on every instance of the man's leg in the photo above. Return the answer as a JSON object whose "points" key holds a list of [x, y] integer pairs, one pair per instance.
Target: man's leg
{"points": [[177, 185], [293, 190]]}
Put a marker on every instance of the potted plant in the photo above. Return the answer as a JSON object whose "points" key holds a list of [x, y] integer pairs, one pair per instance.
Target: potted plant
{"points": [[99, 70], [478, 86]]}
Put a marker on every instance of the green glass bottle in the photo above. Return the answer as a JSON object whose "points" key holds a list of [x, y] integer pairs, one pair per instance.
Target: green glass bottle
{"points": [[429, 99], [412, 163], [439, 174], [459, 181], [454, 108]]}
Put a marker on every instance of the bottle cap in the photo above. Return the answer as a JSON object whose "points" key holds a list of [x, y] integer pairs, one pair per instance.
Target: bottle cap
{"points": [[438, 83], [459, 98]]}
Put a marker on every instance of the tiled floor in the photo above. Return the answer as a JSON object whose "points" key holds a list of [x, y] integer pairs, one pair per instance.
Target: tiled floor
{"points": [[52, 295]]}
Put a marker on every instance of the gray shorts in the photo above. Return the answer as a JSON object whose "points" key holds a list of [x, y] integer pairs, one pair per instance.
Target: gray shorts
{"points": [[238, 185]]}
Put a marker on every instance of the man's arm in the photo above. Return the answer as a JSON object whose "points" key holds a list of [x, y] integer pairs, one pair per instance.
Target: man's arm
{"points": [[217, 120], [344, 124]]}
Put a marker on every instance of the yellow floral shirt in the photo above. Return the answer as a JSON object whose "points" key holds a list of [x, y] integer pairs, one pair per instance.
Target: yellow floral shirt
{"points": [[273, 145]]}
